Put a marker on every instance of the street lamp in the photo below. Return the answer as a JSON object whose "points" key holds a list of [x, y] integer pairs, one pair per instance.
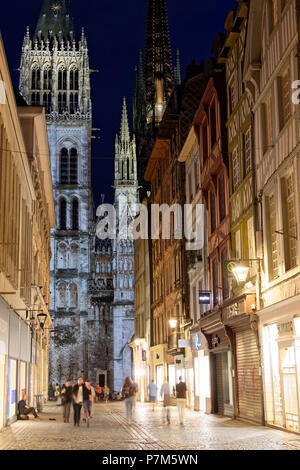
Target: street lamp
{"points": [[42, 319], [240, 273], [173, 324]]}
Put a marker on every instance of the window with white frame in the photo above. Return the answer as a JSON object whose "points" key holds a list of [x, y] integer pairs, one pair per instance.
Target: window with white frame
{"points": [[289, 221], [272, 237], [286, 97], [247, 151], [235, 169], [268, 124]]}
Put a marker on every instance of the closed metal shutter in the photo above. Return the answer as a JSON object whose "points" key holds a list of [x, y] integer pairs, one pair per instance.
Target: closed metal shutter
{"points": [[219, 377], [249, 381]]}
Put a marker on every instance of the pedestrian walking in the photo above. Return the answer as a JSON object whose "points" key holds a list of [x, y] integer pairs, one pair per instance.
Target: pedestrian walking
{"points": [[56, 392], [181, 399], [106, 394], [87, 400], [165, 394], [66, 400], [78, 400], [98, 392], [135, 397], [152, 389], [93, 394], [128, 391]]}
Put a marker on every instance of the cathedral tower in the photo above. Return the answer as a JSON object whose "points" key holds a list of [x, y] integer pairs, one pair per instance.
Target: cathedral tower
{"points": [[154, 83], [126, 198], [158, 70], [55, 73]]}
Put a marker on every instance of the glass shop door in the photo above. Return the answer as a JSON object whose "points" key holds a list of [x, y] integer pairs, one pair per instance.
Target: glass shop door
{"points": [[289, 386]]}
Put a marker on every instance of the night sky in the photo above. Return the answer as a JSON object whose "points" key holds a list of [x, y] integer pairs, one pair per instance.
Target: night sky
{"points": [[115, 32]]}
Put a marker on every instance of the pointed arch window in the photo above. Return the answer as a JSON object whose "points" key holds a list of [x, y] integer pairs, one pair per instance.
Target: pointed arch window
{"points": [[73, 166], [74, 256], [62, 289], [62, 256], [35, 79], [47, 79], [73, 103], [35, 99], [62, 102], [74, 80], [64, 166], [73, 295], [75, 214], [68, 166], [62, 79], [47, 102], [63, 214]]}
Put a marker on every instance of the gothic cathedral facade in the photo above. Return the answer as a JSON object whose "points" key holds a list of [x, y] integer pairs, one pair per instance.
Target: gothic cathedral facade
{"points": [[55, 73], [126, 198]]}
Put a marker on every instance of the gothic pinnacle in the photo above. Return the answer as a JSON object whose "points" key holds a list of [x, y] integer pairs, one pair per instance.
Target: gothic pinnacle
{"points": [[124, 135]]}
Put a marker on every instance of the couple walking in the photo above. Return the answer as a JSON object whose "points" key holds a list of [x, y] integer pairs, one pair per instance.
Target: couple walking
{"points": [[80, 395], [165, 394]]}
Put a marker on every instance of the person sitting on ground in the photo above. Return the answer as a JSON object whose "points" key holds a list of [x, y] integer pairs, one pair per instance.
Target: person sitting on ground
{"points": [[25, 409]]}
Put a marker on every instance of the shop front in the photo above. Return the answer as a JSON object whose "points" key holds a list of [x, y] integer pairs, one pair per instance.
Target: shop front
{"points": [[202, 385], [242, 328], [141, 373], [4, 340], [159, 366], [12, 367], [221, 366], [281, 364]]}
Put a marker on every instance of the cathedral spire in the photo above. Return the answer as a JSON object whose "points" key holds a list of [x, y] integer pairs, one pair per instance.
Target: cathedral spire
{"points": [[139, 101], [125, 154], [177, 71], [124, 134], [55, 21], [158, 70]]}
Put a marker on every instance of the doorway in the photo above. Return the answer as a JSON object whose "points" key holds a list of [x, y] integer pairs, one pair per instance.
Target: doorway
{"points": [[289, 387], [159, 380]]}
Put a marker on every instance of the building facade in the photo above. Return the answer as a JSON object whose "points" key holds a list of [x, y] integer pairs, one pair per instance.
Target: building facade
{"points": [[126, 199], [239, 312], [142, 311], [271, 67], [210, 126], [27, 215], [55, 73]]}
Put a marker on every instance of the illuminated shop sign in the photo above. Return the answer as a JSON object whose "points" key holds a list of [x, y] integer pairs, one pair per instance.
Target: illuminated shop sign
{"points": [[204, 298]]}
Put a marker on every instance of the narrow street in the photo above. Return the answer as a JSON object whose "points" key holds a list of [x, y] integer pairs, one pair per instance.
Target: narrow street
{"points": [[109, 431]]}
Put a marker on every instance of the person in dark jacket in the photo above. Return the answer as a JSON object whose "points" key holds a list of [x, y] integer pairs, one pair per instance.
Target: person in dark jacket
{"points": [[181, 399], [78, 400], [25, 409], [66, 394], [87, 400]]}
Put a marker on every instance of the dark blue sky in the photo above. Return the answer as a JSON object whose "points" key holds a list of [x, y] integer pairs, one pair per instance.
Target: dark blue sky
{"points": [[115, 31]]}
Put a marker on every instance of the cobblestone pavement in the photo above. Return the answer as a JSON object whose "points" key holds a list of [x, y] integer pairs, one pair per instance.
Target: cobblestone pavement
{"points": [[109, 431]]}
